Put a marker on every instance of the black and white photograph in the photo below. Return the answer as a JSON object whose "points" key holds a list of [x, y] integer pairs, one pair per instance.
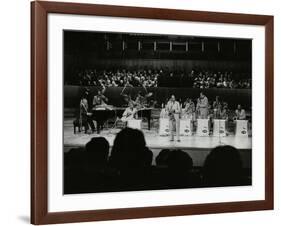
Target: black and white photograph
{"points": [[153, 112]]}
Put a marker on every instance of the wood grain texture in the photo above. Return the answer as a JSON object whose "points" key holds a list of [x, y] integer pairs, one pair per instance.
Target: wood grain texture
{"points": [[39, 109], [269, 113]]}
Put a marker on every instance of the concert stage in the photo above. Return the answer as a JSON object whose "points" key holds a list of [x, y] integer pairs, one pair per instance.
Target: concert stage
{"points": [[197, 147]]}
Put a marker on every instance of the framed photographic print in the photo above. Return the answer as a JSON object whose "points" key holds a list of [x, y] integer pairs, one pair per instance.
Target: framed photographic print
{"points": [[145, 112]]}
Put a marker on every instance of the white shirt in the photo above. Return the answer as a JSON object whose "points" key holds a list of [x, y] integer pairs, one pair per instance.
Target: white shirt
{"points": [[240, 114], [129, 113], [173, 107]]}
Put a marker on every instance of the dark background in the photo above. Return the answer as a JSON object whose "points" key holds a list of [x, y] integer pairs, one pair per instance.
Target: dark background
{"points": [[178, 53]]}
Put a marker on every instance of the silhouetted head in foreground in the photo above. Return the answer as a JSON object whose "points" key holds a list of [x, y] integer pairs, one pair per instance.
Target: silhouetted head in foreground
{"points": [[129, 149], [97, 151], [179, 160], [161, 159], [179, 169], [148, 157], [74, 159], [222, 167]]}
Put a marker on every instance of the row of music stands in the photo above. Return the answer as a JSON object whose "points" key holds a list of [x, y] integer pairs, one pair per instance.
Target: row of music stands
{"points": [[203, 129], [186, 127]]}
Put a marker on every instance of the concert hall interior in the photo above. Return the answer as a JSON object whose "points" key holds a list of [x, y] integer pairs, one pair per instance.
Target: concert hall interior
{"points": [[186, 100]]}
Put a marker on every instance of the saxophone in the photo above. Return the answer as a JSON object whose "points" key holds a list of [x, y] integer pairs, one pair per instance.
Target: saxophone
{"points": [[171, 113]]}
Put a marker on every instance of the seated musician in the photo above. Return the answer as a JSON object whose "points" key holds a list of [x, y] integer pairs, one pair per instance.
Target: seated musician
{"points": [[240, 113], [129, 113], [189, 110], [140, 100], [202, 106], [85, 115], [100, 99], [224, 112]]}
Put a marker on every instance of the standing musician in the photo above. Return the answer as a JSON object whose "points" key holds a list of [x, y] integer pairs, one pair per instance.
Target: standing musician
{"points": [[129, 113], [202, 106], [85, 115], [189, 109], [174, 109], [224, 112], [100, 98], [217, 108]]}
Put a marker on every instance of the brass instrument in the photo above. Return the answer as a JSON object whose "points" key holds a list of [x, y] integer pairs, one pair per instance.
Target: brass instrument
{"points": [[171, 115]]}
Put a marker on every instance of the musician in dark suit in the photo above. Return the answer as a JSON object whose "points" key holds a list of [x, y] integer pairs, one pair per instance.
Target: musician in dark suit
{"points": [[85, 115], [173, 108], [140, 100], [100, 98]]}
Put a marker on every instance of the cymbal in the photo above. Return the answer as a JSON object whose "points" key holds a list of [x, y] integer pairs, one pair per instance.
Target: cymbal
{"points": [[149, 94]]}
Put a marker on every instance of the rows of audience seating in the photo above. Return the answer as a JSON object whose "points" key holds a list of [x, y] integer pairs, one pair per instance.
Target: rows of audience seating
{"points": [[128, 166], [159, 78]]}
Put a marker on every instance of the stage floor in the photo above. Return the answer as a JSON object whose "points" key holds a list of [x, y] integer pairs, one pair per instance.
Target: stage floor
{"points": [[154, 141], [197, 147]]}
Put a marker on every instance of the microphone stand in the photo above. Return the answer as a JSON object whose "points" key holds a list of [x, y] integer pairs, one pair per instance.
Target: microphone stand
{"points": [[220, 142]]}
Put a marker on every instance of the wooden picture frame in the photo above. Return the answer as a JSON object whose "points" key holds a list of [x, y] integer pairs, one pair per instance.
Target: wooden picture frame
{"points": [[39, 109]]}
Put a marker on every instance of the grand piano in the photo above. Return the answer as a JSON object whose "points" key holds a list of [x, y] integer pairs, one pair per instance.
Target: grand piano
{"points": [[102, 113]]}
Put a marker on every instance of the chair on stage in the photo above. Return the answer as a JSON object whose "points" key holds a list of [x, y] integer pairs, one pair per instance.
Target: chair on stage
{"points": [[241, 128], [219, 128], [164, 129], [134, 123], [185, 127], [80, 123], [202, 127]]}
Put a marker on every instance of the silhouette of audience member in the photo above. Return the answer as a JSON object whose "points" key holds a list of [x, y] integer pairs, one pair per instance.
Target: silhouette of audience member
{"points": [[180, 166], [73, 159], [128, 149], [179, 160], [100, 176], [161, 159], [129, 167], [159, 172], [74, 176], [131, 158], [223, 167], [87, 169], [97, 151], [148, 157]]}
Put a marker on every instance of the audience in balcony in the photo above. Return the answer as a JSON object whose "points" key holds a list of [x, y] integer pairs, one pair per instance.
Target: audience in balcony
{"points": [[159, 78]]}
